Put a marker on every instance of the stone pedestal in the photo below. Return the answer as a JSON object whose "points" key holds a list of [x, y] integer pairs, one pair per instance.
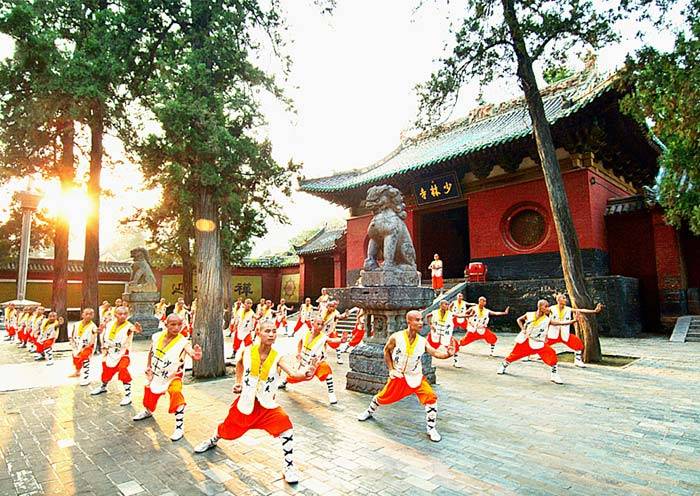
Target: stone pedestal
{"points": [[386, 308], [397, 277], [141, 306]]}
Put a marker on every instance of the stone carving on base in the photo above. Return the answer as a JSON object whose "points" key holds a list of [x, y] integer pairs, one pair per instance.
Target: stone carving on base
{"points": [[390, 288], [389, 240], [142, 293], [142, 278]]}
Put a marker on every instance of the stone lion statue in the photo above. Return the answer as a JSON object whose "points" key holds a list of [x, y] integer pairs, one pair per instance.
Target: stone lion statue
{"points": [[142, 278], [387, 232]]}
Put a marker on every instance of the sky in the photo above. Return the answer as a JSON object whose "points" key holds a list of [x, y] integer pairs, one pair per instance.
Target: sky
{"points": [[352, 85]]}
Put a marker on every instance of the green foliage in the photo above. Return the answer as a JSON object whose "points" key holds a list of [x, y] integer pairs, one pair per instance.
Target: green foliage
{"points": [[206, 100], [483, 47], [667, 91], [555, 73], [34, 104], [11, 232]]}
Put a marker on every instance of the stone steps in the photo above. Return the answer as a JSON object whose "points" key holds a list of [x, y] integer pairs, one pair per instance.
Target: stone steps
{"points": [[687, 328]]}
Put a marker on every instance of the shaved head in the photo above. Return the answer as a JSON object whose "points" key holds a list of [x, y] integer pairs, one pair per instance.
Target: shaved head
{"points": [[173, 317]]}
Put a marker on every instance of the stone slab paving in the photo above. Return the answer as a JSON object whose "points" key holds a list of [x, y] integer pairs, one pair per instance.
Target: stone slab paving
{"points": [[629, 430]]}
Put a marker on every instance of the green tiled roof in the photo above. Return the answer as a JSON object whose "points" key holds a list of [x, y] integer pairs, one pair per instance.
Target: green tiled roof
{"points": [[322, 242], [485, 127], [275, 261]]}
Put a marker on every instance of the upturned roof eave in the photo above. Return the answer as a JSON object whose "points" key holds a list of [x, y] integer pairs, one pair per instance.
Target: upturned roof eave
{"points": [[581, 104]]}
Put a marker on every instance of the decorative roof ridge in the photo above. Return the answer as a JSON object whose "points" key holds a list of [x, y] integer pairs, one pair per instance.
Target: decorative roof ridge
{"points": [[589, 78], [318, 234]]}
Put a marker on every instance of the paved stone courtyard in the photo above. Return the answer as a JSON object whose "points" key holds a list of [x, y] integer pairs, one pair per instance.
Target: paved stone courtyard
{"points": [[629, 430]]}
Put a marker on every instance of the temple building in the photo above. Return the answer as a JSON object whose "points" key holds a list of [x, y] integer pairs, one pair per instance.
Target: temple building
{"points": [[474, 191]]}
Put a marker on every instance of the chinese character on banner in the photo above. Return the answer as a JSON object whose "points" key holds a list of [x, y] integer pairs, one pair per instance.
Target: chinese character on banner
{"points": [[177, 289], [434, 190], [423, 193], [243, 289], [447, 187]]}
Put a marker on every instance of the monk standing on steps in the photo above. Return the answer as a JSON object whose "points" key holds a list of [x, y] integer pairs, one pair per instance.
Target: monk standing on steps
{"points": [[531, 340], [435, 268], [166, 362], [116, 343], [82, 340], [402, 355], [257, 377]]}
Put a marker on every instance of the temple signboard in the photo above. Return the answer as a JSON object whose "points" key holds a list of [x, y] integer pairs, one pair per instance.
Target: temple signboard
{"points": [[437, 189]]}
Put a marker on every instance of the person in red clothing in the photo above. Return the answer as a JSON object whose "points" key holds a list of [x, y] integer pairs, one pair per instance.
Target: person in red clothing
{"points": [[258, 370], [306, 313], [435, 268], [358, 332], [117, 337], [166, 362], [312, 348], [531, 340], [562, 334], [477, 324], [403, 357], [46, 337], [82, 339]]}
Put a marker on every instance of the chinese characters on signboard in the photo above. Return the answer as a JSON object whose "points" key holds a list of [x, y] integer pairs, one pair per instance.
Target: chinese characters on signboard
{"points": [[436, 189], [241, 287]]}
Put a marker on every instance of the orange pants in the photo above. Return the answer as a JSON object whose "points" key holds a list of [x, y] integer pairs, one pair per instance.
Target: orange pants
{"points": [[150, 399], [322, 372], [279, 323], [275, 421], [521, 350], [237, 343], [437, 282], [574, 342], [458, 324], [42, 346], [356, 337], [300, 323], [487, 336], [11, 331], [437, 345], [122, 371], [343, 338], [81, 357], [397, 389], [22, 334]]}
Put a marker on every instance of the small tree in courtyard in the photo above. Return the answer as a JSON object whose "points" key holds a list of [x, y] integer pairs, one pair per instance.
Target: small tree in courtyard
{"points": [[500, 38], [206, 101]]}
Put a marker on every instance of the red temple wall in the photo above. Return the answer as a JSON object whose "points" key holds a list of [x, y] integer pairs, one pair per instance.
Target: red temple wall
{"points": [[635, 256], [487, 210], [356, 234], [599, 193]]}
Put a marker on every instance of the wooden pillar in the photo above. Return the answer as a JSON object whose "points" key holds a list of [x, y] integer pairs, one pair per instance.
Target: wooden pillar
{"points": [[337, 270], [302, 280]]}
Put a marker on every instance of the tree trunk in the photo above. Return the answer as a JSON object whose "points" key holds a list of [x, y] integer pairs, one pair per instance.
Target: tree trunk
{"points": [[91, 259], [187, 270], [227, 291], [207, 329], [572, 266], [66, 174]]}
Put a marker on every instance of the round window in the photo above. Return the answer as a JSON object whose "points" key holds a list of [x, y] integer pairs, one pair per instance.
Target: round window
{"points": [[527, 228]]}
